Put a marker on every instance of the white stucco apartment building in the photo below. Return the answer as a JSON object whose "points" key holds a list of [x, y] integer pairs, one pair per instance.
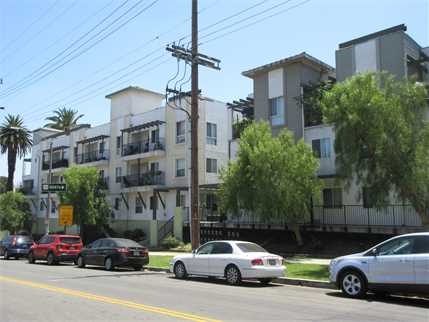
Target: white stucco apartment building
{"points": [[141, 155]]}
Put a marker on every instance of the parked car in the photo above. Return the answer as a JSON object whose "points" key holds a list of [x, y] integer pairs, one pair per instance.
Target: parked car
{"points": [[398, 265], [15, 246], [114, 252], [55, 249], [233, 260]]}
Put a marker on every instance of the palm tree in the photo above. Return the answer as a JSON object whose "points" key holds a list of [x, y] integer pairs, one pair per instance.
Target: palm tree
{"points": [[64, 119], [15, 139]]}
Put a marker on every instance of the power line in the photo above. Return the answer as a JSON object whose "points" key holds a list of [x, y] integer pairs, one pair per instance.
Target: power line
{"points": [[55, 42], [86, 49], [29, 26], [76, 41]]}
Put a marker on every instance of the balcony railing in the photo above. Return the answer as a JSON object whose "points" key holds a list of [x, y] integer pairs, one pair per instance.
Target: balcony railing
{"points": [[144, 179], [92, 156], [142, 147], [61, 163]]}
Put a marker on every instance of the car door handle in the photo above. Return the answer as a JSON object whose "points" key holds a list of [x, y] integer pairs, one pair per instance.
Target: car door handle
{"points": [[405, 260]]}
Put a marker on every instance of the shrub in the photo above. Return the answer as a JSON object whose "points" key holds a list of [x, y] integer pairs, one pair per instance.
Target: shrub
{"points": [[170, 242], [136, 234]]}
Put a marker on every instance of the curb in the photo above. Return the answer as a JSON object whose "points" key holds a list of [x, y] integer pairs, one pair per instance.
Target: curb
{"points": [[280, 280]]}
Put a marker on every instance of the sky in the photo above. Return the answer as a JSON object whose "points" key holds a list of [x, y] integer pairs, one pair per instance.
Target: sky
{"points": [[72, 53]]}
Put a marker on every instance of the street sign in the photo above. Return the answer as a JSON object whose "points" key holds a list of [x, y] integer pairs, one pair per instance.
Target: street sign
{"points": [[53, 187], [65, 217]]}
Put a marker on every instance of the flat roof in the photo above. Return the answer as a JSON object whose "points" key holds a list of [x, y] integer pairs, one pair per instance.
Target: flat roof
{"points": [[132, 88], [301, 57], [401, 27]]}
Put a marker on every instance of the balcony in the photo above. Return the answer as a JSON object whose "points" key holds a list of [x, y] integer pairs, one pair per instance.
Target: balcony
{"points": [[144, 179], [143, 147], [92, 156], [60, 163]]}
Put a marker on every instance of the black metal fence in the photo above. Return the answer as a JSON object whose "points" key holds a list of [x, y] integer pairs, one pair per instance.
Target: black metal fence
{"points": [[92, 156], [60, 163], [144, 179], [142, 147]]}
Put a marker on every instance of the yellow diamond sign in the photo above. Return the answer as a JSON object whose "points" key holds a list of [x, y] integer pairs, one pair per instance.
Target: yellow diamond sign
{"points": [[65, 215]]}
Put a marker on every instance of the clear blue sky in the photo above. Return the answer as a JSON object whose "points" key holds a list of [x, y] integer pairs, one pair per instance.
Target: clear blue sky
{"points": [[34, 31]]}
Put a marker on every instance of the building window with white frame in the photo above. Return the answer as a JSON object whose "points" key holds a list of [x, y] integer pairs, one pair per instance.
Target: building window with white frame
{"points": [[180, 132], [322, 148], [211, 133], [180, 167], [211, 165], [118, 174], [139, 205], [277, 111]]}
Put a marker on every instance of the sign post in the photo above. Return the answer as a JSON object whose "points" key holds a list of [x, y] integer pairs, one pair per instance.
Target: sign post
{"points": [[65, 217]]}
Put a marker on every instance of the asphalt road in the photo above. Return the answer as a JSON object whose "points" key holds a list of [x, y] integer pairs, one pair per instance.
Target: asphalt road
{"points": [[66, 293]]}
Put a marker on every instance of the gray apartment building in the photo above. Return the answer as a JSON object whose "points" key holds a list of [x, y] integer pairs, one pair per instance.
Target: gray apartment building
{"points": [[277, 87]]}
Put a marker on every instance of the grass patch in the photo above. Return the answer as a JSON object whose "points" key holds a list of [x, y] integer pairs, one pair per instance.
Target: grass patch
{"points": [[294, 270], [308, 271], [159, 261]]}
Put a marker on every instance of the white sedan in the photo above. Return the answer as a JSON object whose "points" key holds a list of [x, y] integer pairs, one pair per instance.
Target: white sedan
{"points": [[234, 260]]}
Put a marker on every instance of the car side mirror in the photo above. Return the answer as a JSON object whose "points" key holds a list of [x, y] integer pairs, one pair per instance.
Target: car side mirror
{"points": [[194, 252], [374, 252]]}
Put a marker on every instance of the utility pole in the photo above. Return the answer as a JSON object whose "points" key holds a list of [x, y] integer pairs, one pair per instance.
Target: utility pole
{"points": [[195, 59], [48, 208], [195, 218]]}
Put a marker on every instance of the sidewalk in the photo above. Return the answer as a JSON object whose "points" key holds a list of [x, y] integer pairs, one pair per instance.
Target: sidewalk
{"points": [[318, 261]]}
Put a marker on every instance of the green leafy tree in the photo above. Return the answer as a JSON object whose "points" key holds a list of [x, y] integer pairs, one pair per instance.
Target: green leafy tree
{"points": [[64, 119], [15, 213], [85, 192], [15, 140], [273, 178], [3, 184], [382, 137]]}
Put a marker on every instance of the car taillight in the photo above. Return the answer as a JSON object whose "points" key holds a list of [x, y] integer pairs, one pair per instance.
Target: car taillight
{"points": [[122, 250], [257, 262], [144, 253], [14, 241]]}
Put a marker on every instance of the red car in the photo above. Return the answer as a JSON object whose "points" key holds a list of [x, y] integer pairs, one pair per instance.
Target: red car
{"points": [[55, 248]]}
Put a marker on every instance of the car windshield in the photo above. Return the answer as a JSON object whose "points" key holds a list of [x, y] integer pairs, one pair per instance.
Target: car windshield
{"points": [[70, 240], [250, 248], [23, 239], [126, 243]]}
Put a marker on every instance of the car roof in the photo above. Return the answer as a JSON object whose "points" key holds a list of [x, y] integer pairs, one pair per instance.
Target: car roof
{"points": [[425, 233], [61, 235]]}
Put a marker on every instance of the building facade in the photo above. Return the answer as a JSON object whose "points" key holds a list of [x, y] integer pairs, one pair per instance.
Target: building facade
{"points": [[141, 155]]}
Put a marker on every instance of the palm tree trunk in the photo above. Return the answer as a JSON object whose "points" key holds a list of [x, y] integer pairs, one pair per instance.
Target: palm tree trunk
{"points": [[11, 163]]}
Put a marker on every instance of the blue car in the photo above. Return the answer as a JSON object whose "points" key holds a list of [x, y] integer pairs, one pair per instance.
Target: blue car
{"points": [[15, 246]]}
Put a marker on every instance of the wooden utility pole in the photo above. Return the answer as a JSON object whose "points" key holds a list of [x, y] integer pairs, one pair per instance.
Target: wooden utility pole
{"points": [[195, 218], [194, 58]]}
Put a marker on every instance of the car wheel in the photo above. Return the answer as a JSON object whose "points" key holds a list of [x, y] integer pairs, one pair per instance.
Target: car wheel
{"points": [[51, 259], [80, 262], [108, 264], [232, 275], [265, 281], [353, 284], [138, 268], [6, 254], [31, 259], [180, 270]]}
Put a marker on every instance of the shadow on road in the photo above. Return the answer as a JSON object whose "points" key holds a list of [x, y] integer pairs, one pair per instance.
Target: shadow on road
{"points": [[391, 299], [219, 281]]}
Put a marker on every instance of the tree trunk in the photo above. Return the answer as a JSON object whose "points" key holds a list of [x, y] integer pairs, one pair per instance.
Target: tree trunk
{"points": [[11, 163], [296, 230]]}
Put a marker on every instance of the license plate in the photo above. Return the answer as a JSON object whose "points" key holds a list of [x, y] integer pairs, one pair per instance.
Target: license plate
{"points": [[71, 247], [136, 253], [272, 262]]}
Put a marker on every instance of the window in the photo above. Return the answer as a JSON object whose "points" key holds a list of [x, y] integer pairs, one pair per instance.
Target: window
{"points": [[211, 201], [180, 167], [154, 136], [118, 174], [117, 203], [368, 199], [139, 206], [44, 240], [53, 206], [398, 246], [211, 133], [180, 132], [250, 248], [180, 199], [154, 167], [118, 145], [222, 248], [101, 147], [153, 203], [277, 111], [421, 245], [332, 198], [211, 165], [322, 148], [205, 249]]}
